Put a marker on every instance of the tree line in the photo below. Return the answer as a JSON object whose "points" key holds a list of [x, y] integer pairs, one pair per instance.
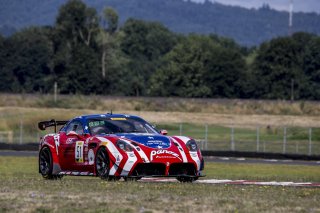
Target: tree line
{"points": [[88, 53]]}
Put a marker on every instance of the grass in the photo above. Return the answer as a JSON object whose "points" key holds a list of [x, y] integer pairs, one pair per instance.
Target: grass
{"points": [[107, 103], [23, 189]]}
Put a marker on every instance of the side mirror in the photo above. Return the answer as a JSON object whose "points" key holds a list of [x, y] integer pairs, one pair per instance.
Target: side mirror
{"points": [[163, 132]]}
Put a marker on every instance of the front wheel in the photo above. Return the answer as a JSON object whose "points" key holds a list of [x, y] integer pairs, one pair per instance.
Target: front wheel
{"points": [[102, 164]]}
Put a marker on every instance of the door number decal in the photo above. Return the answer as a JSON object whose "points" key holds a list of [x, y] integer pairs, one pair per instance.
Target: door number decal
{"points": [[79, 152]]}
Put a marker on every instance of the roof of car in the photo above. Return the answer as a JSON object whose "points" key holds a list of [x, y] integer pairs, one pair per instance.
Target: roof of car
{"points": [[108, 115]]}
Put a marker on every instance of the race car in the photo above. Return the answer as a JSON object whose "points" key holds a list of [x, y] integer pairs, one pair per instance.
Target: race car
{"points": [[114, 146]]}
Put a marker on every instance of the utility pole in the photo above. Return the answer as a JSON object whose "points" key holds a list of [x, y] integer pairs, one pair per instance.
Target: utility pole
{"points": [[290, 17]]}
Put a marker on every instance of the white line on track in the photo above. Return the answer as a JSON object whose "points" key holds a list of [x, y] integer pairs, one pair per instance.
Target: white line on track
{"points": [[236, 182]]}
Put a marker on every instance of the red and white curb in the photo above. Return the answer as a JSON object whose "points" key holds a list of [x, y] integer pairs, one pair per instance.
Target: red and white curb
{"points": [[236, 182]]}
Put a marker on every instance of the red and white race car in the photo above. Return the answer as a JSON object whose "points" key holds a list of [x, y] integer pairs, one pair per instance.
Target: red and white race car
{"points": [[112, 146]]}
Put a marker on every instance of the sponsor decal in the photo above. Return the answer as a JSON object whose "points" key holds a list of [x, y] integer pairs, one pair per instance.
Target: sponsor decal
{"points": [[164, 154], [96, 123], [159, 144], [78, 152], [91, 157], [70, 140], [56, 138], [118, 119], [104, 143]]}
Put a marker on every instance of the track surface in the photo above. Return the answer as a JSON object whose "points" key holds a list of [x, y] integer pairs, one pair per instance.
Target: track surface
{"points": [[217, 160], [237, 182]]}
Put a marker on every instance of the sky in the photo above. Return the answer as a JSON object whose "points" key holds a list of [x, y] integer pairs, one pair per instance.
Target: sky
{"points": [[298, 5]]}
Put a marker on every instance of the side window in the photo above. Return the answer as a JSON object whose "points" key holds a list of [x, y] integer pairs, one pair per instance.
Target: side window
{"points": [[76, 127]]}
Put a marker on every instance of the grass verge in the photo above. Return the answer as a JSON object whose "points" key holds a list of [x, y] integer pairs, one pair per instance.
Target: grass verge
{"points": [[23, 189]]}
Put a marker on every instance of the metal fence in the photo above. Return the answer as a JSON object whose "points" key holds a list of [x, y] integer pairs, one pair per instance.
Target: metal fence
{"points": [[286, 140], [290, 140]]}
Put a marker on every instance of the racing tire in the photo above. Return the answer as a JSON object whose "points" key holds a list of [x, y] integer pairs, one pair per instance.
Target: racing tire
{"points": [[184, 179], [102, 165], [46, 164]]}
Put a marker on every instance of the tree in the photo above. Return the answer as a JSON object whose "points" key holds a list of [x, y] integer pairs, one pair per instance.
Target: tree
{"points": [[28, 58], [76, 61], [107, 37], [145, 44], [199, 67], [279, 68], [76, 22], [311, 67]]}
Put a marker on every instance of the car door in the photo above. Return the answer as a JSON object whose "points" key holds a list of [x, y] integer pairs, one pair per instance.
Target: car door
{"points": [[72, 147]]}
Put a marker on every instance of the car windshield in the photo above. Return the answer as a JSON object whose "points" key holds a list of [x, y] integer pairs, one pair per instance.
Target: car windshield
{"points": [[100, 126]]}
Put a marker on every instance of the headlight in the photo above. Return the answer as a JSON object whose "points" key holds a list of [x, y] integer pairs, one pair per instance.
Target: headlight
{"points": [[124, 146], [192, 145]]}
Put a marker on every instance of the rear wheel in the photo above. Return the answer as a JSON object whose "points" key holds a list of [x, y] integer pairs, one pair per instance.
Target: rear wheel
{"points": [[102, 165], [46, 164]]}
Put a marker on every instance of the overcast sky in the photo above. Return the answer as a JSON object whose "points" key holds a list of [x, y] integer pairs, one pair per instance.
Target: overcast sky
{"points": [[298, 5]]}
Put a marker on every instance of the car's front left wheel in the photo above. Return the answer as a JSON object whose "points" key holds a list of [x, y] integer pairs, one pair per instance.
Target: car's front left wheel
{"points": [[102, 164]]}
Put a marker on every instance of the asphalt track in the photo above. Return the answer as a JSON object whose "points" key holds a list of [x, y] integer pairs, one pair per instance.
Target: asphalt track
{"points": [[217, 160], [236, 182], [207, 159]]}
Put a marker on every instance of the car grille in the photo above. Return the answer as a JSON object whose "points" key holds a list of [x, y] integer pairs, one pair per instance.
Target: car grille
{"points": [[148, 169], [182, 169]]}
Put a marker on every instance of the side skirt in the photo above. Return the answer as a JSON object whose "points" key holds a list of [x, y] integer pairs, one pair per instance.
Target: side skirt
{"points": [[74, 173]]}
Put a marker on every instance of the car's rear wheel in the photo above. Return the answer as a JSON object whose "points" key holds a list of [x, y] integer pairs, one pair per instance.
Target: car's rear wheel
{"points": [[186, 179], [46, 164], [102, 164]]}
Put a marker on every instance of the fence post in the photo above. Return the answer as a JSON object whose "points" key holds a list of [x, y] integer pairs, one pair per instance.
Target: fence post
{"points": [[284, 140], [21, 131], [310, 141], [206, 137], [258, 139], [232, 139], [180, 129]]}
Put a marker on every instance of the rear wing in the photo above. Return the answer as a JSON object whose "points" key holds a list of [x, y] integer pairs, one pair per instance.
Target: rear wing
{"points": [[44, 124]]}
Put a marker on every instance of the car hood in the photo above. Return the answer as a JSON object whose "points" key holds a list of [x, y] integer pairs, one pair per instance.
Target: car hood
{"points": [[149, 140]]}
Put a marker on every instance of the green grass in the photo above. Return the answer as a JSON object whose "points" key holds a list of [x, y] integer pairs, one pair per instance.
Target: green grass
{"points": [[23, 189]]}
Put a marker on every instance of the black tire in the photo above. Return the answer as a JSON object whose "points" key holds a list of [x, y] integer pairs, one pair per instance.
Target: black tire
{"points": [[46, 164], [186, 179], [102, 165]]}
